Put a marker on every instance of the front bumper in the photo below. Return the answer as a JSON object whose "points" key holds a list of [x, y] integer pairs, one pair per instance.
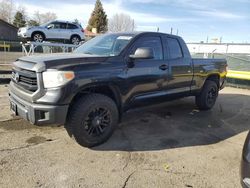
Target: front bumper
{"points": [[38, 114], [22, 35]]}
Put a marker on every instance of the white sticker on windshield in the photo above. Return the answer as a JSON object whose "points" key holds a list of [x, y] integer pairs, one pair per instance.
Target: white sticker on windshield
{"points": [[124, 37]]}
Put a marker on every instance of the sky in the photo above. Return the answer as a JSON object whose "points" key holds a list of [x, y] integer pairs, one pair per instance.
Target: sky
{"points": [[194, 20]]}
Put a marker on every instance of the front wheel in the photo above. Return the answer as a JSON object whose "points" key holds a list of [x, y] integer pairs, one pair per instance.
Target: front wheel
{"points": [[92, 119], [207, 98], [38, 37]]}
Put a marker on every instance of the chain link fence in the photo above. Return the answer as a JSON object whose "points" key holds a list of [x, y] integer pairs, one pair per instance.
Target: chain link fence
{"points": [[236, 62], [10, 51]]}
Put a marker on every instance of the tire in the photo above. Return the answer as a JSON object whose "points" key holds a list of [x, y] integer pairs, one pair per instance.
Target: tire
{"points": [[207, 98], [75, 40], [38, 37], [92, 119]]}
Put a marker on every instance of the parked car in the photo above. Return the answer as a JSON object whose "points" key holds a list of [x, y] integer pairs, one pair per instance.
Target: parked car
{"points": [[89, 90], [54, 31], [245, 164]]}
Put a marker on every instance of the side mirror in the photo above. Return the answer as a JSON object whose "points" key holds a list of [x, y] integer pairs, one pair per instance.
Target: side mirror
{"points": [[49, 26], [143, 53]]}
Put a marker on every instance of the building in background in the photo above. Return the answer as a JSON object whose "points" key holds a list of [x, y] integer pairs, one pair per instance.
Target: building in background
{"points": [[8, 32], [90, 34]]}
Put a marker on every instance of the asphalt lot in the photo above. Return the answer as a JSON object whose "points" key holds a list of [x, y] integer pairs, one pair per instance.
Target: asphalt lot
{"points": [[166, 145]]}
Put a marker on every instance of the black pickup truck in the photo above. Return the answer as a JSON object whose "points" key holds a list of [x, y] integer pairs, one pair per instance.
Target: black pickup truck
{"points": [[89, 90]]}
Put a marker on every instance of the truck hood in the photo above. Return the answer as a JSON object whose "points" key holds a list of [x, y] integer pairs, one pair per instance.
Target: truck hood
{"points": [[58, 61]]}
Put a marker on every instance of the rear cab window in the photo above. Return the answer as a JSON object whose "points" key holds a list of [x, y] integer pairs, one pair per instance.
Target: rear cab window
{"points": [[174, 48]]}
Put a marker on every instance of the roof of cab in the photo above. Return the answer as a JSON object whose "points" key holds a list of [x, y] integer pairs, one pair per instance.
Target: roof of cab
{"points": [[144, 32]]}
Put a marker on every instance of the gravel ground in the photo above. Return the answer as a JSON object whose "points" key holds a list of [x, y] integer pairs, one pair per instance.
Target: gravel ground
{"points": [[166, 145]]}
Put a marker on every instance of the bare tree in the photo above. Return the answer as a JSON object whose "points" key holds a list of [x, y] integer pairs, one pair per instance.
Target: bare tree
{"points": [[41, 18], [48, 16], [7, 10], [37, 17], [121, 22]]}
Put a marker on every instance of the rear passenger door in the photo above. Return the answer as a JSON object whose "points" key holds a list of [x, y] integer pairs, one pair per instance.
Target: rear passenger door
{"points": [[71, 29], [180, 67]]}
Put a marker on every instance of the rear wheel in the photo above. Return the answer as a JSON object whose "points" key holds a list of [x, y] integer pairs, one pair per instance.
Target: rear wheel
{"points": [[37, 37], [75, 40], [92, 119], [207, 98]]}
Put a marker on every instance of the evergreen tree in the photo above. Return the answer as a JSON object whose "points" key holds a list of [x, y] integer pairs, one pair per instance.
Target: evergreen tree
{"points": [[98, 19], [19, 20], [76, 21], [33, 23]]}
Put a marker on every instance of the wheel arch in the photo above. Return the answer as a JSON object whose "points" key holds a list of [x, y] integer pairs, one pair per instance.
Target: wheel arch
{"points": [[41, 32], [215, 78], [75, 35], [104, 89]]}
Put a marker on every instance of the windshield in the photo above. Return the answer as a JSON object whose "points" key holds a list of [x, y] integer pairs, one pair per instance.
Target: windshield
{"points": [[45, 24], [105, 45]]}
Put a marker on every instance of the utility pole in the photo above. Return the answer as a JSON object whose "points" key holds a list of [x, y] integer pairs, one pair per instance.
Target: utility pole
{"points": [[171, 31], [158, 29], [177, 32]]}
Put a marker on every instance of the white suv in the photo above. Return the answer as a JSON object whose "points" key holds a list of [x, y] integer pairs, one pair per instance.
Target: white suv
{"points": [[54, 31]]}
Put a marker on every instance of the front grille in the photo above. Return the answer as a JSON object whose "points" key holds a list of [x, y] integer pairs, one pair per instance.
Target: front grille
{"points": [[25, 79]]}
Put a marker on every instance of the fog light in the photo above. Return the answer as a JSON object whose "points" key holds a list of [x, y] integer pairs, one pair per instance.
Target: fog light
{"points": [[247, 182], [40, 114]]}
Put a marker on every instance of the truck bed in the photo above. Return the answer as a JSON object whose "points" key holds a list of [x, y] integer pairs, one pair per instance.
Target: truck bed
{"points": [[203, 61]]}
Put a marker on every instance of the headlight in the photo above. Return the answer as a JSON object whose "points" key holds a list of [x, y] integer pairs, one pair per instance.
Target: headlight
{"points": [[54, 78]]}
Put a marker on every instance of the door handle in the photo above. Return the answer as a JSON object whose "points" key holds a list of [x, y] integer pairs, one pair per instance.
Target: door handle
{"points": [[163, 67]]}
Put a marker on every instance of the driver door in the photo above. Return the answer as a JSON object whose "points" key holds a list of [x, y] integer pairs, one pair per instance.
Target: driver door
{"points": [[147, 78], [53, 30]]}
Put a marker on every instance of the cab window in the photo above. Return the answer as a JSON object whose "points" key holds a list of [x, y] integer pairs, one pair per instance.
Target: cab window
{"points": [[63, 26], [174, 48], [150, 42], [54, 25], [72, 26]]}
